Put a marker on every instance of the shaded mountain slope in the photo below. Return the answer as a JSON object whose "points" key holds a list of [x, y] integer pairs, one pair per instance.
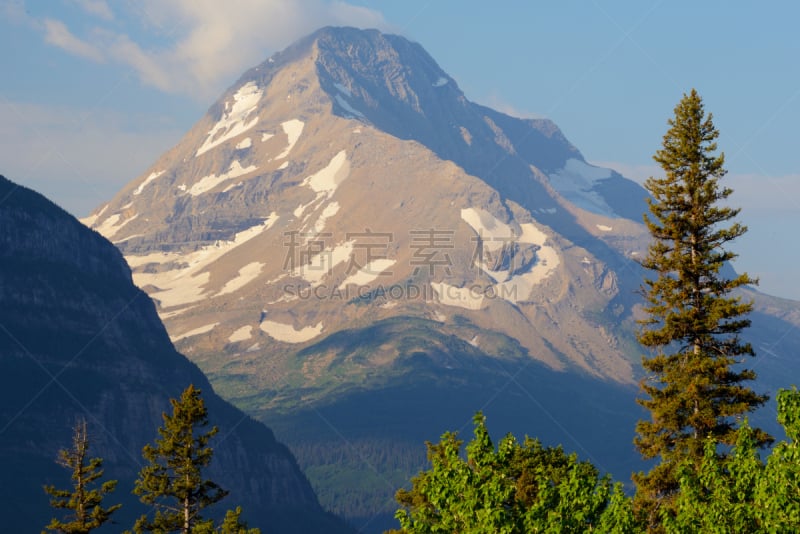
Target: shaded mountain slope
{"points": [[78, 339]]}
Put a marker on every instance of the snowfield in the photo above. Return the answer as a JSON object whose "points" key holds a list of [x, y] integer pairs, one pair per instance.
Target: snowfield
{"points": [[196, 332], [182, 286], [293, 129], [494, 235], [287, 332], [236, 118], [247, 274], [207, 183], [576, 182], [147, 180], [241, 334]]}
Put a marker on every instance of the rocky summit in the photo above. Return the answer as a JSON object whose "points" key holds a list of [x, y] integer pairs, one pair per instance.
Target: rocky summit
{"points": [[356, 253]]}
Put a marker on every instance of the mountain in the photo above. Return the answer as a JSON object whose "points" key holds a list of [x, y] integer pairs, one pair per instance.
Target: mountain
{"points": [[357, 254], [78, 339]]}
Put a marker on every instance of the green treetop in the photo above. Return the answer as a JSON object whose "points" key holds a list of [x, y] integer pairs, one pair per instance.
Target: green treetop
{"points": [[85, 500], [172, 482]]}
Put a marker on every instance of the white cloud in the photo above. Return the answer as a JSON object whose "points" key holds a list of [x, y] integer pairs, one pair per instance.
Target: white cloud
{"points": [[205, 44], [121, 48], [97, 8], [57, 34]]}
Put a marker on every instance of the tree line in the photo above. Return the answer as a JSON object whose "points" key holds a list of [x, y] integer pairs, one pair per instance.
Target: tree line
{"points": [[709, 475], [171, 482]]}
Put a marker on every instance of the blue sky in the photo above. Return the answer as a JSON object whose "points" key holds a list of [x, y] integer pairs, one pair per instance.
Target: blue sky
{"points": [[94, 91]]}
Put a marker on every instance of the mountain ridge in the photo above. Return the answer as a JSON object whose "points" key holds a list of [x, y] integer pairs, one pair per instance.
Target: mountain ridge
{"points": [[78, 338]]}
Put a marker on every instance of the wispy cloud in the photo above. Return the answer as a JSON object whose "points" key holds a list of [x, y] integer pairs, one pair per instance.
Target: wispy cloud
{"points": [[204, 44], [57, 34]]}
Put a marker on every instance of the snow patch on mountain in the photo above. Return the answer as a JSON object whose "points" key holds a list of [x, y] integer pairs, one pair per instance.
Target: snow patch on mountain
{"points": [[323, 263], [181, 286], [460, 297], [247, 274], [442, 81], [195, 332], [244, 143], [496, 236], [107, 226], [150, 178], [493, 233], [111, 226], [329, 211], [293, 129], [328, 179], [369, 272], [343, 89], [604, 228], [241, 334], [207, 183], [265, 136], [288, 334], [345, 105], [324, 183], [91, 219], [233, 186], [234, 120], [576, 182]]}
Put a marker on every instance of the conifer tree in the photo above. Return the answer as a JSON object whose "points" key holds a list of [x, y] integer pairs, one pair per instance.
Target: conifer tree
{"points": [[172, 482], [85, 500], [695, 385]]}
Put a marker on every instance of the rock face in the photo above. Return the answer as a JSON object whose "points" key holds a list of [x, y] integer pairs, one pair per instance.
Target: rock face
{"points": [[359, 255], [78, 339]]}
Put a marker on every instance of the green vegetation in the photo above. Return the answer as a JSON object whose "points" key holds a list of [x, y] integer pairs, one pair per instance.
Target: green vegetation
{"points": [[522, 488], [84, 500], [695, 389], [512, 488]]}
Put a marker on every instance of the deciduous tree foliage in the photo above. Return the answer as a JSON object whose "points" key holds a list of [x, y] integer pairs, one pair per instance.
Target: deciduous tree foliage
{"points": [[529, 488], [511, 489], [172, 481], [741, 493], [85, 500], [695, 387]]}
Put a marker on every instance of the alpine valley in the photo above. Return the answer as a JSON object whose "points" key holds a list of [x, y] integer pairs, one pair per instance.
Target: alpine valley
{"points": [[360, 257]]}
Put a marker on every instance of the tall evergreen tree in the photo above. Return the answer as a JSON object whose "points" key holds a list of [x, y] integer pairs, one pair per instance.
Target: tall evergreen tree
{"points": [[695, 385], [172, 482], [85, 500]]}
